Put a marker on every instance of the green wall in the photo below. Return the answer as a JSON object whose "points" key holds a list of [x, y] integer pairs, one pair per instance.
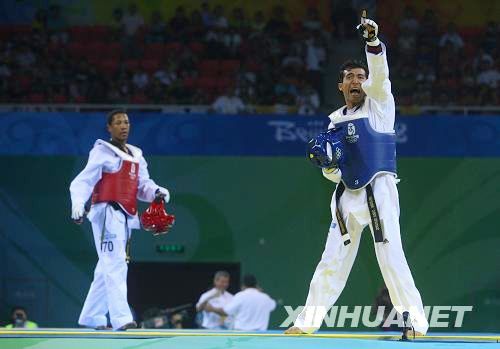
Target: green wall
{"points": [[272, 215]]}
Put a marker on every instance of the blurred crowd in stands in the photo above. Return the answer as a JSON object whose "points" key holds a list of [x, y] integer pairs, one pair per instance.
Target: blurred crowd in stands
{"points": [[191, 58], [235, 61], [436, 63]]}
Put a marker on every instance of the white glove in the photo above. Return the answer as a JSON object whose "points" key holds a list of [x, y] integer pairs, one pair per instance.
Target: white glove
{"points": [[163, 193], [332, 174], [77, 212], [369, 30]]}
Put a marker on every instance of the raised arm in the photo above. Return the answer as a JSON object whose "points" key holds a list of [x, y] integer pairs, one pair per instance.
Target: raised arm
{"points": [[378, 85]]}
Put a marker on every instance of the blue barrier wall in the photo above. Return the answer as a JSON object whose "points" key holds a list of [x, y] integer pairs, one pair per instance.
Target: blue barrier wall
{"points": [[167, 134]]}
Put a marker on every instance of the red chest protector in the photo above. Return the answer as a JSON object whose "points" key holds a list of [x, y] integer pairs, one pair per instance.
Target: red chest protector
{"points": [[120, 186]]}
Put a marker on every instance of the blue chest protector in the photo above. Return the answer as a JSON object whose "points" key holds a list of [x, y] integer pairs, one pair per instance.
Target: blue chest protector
{"points": [[366, 152]]}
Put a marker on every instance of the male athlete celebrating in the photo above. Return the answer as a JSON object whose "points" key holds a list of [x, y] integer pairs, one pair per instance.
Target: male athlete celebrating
{"points": [[359, 153], [116, 176]]}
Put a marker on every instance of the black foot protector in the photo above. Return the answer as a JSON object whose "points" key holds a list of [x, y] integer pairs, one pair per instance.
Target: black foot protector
{"points": [[407, 326]]}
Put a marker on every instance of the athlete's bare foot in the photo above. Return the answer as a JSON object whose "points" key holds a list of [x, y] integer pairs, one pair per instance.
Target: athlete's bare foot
{"points": [[413, 333], [128, 326], [294, 330], [410, 334]]}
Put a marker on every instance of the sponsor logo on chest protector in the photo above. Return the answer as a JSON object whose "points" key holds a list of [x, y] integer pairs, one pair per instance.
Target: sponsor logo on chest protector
{"points": [[351, 137]]}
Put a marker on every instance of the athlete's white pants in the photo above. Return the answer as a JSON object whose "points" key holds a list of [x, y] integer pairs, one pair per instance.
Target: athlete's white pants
{"points": [[108, 291], [336, 262]]}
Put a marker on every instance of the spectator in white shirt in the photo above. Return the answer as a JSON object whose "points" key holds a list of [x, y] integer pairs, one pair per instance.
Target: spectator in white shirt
{"points": [[229, 103], [312, 21], [232, 40], [4, 69], [307, 101], [452, 36], [220, 21], [166, 74], [216, 297], [25, 58], [489, 75], [481, 56], [293, 58], [250, 307], [207, 15], [132, 21], [315, 54], [409, 24], [140, 79]]}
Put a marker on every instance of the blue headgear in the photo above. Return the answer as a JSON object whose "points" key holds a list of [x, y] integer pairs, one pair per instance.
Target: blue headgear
{"points": [[317, 149]]}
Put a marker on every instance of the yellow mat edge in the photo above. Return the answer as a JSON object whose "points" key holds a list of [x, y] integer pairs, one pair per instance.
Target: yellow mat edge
{"points": [[132, 333]]}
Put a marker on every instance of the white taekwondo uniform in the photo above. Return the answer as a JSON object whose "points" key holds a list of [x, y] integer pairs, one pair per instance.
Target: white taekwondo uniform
{"points": [[336, 261], [112, 229]]}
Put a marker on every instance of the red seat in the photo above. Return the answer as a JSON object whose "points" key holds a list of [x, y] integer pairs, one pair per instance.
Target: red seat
{"points": [[20, 30], [108, 67], [96, 50], [37, 98], [79, 34], [132, 64], [297, 27], [139, 98], [253, 66], [173, 47], [94, 60], [189, 83], [114, 50], [53, 48], [4, 32], [154, 51], [224, 83], [24, 81], [197, 47], [9, 31], [469, 50], [207, 83], [140, 35], [228, 67], [97, 46], [80, 99], [245, 49], [77, 50], [470, 33], [211, 96], [150, 65], [99, 32], [391, 31], [208, 67], [60, 98]]}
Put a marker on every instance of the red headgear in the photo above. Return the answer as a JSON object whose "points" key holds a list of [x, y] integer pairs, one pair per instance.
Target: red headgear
{"points": [[155, 219]]}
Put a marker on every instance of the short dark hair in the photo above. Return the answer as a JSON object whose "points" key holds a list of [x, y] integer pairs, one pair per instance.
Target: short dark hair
{"points": [[111, 114], [351, 64], [249, 280], [16, 308], [221, 273]]}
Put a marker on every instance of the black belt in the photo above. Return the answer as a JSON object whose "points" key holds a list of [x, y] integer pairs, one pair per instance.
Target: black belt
{"points": [[116, 206], [372, 208]]}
